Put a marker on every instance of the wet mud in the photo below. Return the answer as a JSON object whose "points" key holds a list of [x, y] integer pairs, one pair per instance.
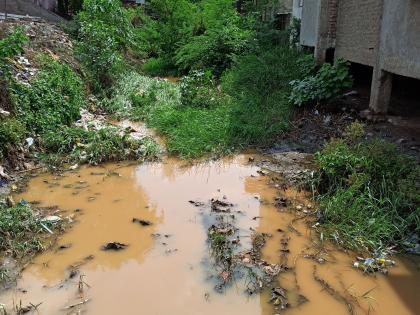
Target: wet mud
{"points": [[140, 245]]}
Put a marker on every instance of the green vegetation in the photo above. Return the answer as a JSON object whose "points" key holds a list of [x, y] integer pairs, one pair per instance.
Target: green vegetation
{"points": [[329, 82], [19, 230], [369, 193], [53, 99], [11, 133], [107, 144]]}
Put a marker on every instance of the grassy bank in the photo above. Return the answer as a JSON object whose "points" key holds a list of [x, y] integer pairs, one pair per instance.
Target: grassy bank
{"points": [[368, 194]]}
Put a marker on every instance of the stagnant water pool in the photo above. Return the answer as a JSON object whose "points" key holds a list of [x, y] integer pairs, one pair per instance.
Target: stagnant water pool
{"points": [[164, 271]]}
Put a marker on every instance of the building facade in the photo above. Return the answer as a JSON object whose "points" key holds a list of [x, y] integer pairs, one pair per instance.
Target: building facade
{"points": [[382, 34]]}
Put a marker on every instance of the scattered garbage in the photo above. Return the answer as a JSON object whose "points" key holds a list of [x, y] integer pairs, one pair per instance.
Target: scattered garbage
{"points": [[51, 219], [114, 246], [142, 222], [29, 142], [371, 265]]}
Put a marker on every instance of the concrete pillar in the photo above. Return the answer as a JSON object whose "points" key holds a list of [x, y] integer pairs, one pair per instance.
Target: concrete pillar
{"points": [[380, 94]]}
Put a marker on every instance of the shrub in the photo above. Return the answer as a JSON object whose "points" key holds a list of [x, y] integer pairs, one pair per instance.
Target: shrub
{"points": [[198, 90], [328, 83], [368, 194], [216, 48], [11, 133], [53, 99], [159, 67], [105, 33], [12, 45]]}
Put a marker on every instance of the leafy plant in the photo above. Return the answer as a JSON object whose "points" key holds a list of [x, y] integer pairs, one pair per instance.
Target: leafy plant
{"points": [[53, 99], [198, 90], [328, 83], [216, 49], [12, 44], [105, 33], [11, 133]]}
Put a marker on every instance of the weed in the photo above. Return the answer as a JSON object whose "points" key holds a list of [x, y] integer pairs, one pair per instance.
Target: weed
{"points": [[328, 83], [53, 99], [12, 133], [19, 227], [12, 45], [368, 194], [107, 144]]}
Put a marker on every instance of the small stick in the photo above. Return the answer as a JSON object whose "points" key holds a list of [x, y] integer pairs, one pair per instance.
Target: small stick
{"points": [[76, 304]]}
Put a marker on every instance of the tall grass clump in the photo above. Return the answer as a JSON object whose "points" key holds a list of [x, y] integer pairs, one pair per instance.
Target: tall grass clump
{"points": [[259, 84], [19, 229], [368, 193], [191, 130]]}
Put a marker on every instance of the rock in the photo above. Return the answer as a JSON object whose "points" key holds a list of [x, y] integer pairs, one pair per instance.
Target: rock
{"points": [[3, 173], [114, 246], [51, 219], [142, 222], [4, 113]]}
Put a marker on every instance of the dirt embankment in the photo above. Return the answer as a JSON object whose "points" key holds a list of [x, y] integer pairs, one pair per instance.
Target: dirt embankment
{"points": [[312, 128]]}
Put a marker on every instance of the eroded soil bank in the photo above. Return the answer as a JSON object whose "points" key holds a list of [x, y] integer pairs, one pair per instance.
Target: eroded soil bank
{"points": [[166, 267]]}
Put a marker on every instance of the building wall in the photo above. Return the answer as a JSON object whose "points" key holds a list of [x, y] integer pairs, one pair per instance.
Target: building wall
{"points": [[357, 30], [310, 23], [400, 38], [47, 4], [297, 9]]}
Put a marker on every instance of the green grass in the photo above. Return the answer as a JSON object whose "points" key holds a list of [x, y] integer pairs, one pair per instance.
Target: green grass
{"points": [[368, 193], [190, 132], [19, 231], [93, 147]]}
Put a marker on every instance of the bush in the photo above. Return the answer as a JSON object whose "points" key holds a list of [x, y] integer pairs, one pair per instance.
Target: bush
{"points": [[328, 83], [159, 67], [368, 193], [216, 49], [105, 34], [12, 133], [12, 45], [198, 90], [53, 99]]}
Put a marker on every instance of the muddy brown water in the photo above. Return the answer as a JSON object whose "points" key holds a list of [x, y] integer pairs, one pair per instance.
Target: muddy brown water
{"points": [[163, 270]]}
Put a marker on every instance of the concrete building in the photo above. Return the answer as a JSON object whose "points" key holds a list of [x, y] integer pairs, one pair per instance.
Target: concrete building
{"points": [[382, 34]]}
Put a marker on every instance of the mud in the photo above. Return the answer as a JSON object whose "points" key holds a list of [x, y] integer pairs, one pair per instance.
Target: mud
{"points": [[164, 269]]}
